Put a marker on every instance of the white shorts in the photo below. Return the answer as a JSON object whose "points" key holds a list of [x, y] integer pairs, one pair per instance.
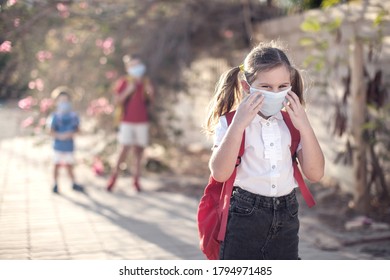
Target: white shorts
{"points": [[63, 158], [134, 134]]}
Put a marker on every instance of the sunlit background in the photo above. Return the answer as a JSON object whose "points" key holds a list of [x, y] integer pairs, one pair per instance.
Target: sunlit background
{"points": [[343, 48]]}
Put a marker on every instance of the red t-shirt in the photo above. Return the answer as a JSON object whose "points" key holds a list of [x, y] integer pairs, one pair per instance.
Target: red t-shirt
{"points": [[135, 108]]}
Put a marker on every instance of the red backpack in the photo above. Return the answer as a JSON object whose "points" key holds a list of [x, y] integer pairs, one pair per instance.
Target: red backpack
{"points": [[214, 204]]}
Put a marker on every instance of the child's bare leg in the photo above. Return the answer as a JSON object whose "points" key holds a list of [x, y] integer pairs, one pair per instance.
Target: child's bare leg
{"points": [[138, 152], [69, 167], [122, 156], [56, 171], [76, 186]]}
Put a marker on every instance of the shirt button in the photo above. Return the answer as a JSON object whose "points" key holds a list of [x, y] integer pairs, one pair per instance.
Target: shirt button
{"points": [[273, 166], [273, 186], [271, 144], [267, 123]]}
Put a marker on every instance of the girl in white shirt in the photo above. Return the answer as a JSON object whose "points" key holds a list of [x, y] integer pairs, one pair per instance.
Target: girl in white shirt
{"points": [[263, 216]]}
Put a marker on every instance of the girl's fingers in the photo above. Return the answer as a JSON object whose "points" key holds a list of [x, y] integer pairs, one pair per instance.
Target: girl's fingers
{"points": [[252, 100], [294, 101], [287, 106], [292, 104], [258, 103], [294, 97]]}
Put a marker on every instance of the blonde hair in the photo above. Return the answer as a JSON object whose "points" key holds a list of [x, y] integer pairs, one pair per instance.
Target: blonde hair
{"points": [[228, 92], [61, 90]]}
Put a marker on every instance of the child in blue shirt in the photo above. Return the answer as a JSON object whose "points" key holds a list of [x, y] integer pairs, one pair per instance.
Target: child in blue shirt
{"points": [[64, 125]]}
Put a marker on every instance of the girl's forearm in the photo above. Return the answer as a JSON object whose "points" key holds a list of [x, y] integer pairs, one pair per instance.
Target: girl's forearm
{"points": [[311, 159], [224, 157]]}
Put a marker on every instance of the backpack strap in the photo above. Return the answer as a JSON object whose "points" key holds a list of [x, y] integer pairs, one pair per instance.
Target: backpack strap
{"points": [[227, 188], [295, 139]]}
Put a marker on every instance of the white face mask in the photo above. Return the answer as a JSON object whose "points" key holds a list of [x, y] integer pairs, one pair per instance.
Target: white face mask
{"points": [[137, 71], [64, 107], [273, 101]]}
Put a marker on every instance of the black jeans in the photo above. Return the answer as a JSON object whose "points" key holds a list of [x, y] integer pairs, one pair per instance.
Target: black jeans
{"points": [[261, 228]]}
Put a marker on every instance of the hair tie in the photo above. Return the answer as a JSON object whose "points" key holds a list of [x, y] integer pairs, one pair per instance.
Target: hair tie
{"points": [[241, 68]]}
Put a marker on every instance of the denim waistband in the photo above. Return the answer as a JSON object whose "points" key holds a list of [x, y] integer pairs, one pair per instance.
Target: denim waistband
{"points": [[264, 201]]}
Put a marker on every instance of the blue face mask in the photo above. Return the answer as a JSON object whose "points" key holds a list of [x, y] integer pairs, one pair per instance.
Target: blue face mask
{"points": [[137, 71], [273, 101], [64, 107]]}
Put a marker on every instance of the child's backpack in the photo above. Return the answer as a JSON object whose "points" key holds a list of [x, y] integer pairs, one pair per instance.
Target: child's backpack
{"points": [[214, 204], [118, 89]]}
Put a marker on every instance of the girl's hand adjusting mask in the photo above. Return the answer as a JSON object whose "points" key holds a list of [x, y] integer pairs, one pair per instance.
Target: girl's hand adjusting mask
{"points": [[273, 101]]}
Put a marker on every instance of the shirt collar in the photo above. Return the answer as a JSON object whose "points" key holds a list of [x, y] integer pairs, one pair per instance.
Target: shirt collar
{"points": [[277, 116]]}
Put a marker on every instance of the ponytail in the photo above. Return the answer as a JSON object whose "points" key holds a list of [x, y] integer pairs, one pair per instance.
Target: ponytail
{"points": [[227, 96], [297, 84]]}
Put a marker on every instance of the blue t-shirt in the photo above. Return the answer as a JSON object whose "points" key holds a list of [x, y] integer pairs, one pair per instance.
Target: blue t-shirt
{"points": [[67, 122]]}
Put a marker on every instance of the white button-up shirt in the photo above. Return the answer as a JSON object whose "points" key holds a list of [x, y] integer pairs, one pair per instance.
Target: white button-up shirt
{"points": [[266, 166]]}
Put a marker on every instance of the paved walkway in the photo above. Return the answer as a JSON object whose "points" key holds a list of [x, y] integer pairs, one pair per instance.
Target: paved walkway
{"points": [[37, 224], [155, 224]]}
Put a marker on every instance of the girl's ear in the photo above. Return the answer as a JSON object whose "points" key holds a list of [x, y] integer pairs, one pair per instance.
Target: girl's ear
{"points": [[245, 86]]}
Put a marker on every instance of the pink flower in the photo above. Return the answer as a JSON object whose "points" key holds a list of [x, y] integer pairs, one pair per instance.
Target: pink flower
{"points": [[107, 45], [99, 106], [63, 9], [6, 47], [27, 122], [16, 22], [110, 75], [42, 56], [46, 104], [39, 84], [11, 2], [42, 122], [83, 5], [26, 103], [228, 34], [71, 38], [36, 84]]}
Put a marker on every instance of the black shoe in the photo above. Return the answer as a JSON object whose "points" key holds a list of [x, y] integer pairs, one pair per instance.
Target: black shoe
{"points": [[55, 189], [78, 188]]}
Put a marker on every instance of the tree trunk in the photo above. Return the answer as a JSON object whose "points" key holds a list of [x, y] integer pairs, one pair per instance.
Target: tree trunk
{"points": [[246, 10], [361, 194]]}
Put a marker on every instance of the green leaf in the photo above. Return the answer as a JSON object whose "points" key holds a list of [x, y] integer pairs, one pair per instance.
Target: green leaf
{"points": [[311, 25], [307, 42], [329, 3], [369, 126], [308, 60], [380, 17], [320, 65], [324, 45], [334, 25]]}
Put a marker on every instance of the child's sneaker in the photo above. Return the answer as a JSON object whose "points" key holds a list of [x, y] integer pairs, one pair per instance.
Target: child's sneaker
{"points": [[55, 188], [77, 187], [111, 183]]}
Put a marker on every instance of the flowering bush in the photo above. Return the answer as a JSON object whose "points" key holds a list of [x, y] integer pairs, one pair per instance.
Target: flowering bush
{"points": [[6, 47], [40, 110]]}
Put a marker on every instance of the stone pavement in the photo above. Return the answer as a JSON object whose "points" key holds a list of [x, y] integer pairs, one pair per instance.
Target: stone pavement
{"points": [[37, 224]]}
